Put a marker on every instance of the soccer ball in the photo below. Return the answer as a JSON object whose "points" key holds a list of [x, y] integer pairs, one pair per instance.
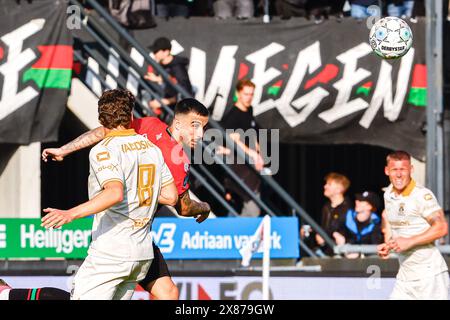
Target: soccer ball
{"points": [[390, 38]]}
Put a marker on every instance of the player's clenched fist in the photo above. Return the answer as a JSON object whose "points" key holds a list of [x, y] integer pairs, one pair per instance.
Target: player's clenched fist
{"points": [[203, 216], [383, 250], [400, 244], [55, 153]]}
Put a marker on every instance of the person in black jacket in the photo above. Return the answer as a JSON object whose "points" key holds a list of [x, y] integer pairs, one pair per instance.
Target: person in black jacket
{"points": [[175, 66], [335, 209], [240, 118], [362, 224]]}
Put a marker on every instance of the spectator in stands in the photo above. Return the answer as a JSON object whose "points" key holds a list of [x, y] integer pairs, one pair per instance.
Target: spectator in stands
{"points": [[337, 8], [175, 66], [172, 8], [400, 8], [362, 225], [418, 10], [241, 9], [335, 209], [291, 8], [131, 14], [360, 8], [203, 8], [240, 116], [319, 9]]}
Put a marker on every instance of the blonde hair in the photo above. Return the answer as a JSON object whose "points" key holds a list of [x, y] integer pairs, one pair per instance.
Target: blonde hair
{"points": [[339, 178], [398, 155], [244, 83]]}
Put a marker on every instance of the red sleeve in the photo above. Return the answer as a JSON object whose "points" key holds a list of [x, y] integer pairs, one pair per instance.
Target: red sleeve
{"points": [[146, 125], [151, 127], [178, 164], [180, 176]]}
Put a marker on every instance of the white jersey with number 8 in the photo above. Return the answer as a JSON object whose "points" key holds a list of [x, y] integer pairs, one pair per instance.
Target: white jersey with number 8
{"points": [[122, 231]]}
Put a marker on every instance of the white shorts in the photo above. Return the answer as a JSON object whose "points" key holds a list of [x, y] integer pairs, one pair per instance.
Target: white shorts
{"points": [[429, 288], [105, 279]]}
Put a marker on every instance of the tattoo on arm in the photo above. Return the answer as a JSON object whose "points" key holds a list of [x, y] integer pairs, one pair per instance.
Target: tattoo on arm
{"points": [[436, 217], [85, 140], [190, 208]]}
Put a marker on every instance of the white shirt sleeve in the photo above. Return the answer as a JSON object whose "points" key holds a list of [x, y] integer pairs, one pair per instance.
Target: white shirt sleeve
{"points": [[105, 165], [429, 203], [166, 175]]}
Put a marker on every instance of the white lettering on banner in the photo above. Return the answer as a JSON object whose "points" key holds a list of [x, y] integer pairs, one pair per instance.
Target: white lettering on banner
{"points": [[205, 240], [11, 100], [3, 242], [64, 241], [92, 77], [240, 241], [113, 67], [177, 48], [221, 80], [261, 76], [307, 60], [164, 237], [352, 76], [383, 91], [294, 110], [132, 81], [275, 241], [308, 103]]}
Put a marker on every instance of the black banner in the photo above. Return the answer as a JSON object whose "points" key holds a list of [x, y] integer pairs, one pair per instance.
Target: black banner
{"points": [[36, 58], [318, 84]]}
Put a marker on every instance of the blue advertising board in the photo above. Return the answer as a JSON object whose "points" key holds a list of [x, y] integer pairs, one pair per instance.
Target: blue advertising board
{"points": [[221, 238]]}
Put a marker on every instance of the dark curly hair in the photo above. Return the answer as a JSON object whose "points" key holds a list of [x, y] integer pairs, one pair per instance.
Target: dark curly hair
{"points": [[115, 108], [188, 105]]}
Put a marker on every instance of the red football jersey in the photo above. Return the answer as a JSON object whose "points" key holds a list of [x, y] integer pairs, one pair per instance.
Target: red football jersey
{"points": [[176, 159]]}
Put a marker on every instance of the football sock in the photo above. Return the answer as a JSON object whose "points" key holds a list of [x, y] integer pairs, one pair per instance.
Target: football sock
{"points": [[39, 294], [4, 294]]}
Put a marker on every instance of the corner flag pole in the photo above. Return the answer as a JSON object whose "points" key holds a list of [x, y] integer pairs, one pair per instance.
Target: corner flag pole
{"points": [[261, 238], [266, 258]]}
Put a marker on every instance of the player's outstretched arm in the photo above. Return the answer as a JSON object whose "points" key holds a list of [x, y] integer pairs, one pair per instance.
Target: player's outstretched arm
{"points": [[87, 139], [438, 229], [191, 208], [111, 194], [169, 195]]}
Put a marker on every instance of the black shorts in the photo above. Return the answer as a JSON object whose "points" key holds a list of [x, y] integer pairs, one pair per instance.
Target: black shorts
{"points": [[158, 268]]}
